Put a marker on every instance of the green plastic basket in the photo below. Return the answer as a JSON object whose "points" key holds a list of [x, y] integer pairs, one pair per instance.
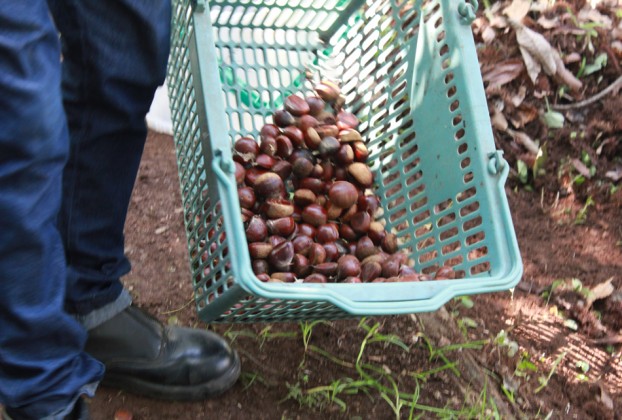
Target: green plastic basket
{"points": [[409, 71]]}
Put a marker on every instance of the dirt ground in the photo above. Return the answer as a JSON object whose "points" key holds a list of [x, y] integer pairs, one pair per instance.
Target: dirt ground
{"points": [[552, 248], [551, 349]]}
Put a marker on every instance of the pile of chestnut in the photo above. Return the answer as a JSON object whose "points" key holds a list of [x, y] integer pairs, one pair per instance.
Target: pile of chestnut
{"points": [[307, 207]]}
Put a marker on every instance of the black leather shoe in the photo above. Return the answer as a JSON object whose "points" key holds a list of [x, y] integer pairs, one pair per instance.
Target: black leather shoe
{"points": [[144, 357]]}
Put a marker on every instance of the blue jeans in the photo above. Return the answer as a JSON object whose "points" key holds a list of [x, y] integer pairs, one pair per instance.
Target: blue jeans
{"points": [[72, 133]]}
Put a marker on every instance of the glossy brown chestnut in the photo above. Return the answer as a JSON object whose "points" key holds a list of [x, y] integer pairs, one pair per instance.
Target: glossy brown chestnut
{"points": [[361, 153], [376, 233], [280, 258], [327, 233], [303, 197], [389, 243], [302, 244], [370, 271], [315, 278], [361, 173], [269, 130], [296, 135], [301, 266], [314, 215], [333, 252], [256, 231], [317, 254], [275, 208], [283, 118], [302, 167], [312, 138], [365, 247], [347, 233], [360, 222], [346, 119], [260, 266], [328, 146], [283, 169], [342, 194], [345, 154], [263, 277], [259, 250], [316, 185], [269, 185], [284, 276], [247, 147], [283, 226], [348, 266], [252, 174], [307, 121], [240, 172], [307, 230], [246, 195], [284, 146], [316, 105], [268, 146], [296, 105], [328, 269]]}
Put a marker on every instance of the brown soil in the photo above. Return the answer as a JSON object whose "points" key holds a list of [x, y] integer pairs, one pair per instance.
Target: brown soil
{"points": [[565, 359], [552, 246]]}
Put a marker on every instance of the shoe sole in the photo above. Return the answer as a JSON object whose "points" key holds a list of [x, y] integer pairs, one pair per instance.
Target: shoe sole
{"points": [[158, 391]]}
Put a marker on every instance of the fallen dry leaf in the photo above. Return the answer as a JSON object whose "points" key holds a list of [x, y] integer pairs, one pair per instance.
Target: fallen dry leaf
{"points": [[502, 73], [614, 175], [546, 23], [600, 291], [524, 139], [566, 76], [499, 121], [518, 98], [525, 113], [536, 51], [605, 398], [581, 168], [488, 35], [517, 10], [589, 14]]}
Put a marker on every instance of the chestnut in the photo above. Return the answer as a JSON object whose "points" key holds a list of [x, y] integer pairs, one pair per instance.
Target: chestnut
{"points": [[256, 231], [327, 233], [348, 266], [283, 226], [296, 105], [315, 278], [268, 185], [276, 208], [280, 258], [246, 195], [342, 194], [283, 118], [314, 215]]}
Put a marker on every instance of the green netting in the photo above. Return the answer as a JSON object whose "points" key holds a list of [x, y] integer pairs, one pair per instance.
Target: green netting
{"points": [[409, 71]]}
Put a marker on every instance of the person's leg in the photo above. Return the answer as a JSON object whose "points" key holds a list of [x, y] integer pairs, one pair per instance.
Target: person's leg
{"points": [[42, 366], [115, 54]]}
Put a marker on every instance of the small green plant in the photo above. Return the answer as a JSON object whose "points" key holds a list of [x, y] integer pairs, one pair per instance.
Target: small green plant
{"points": [[306, 328], [502, 340], [582, 214], [544, 381]]}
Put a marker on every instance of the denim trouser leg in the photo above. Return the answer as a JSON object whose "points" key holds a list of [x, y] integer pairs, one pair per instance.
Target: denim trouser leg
{"points": [[42, 366], [114, 56]]}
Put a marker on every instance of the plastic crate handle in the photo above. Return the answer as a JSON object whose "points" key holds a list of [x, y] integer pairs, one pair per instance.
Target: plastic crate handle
{"points": [[467, 10]]}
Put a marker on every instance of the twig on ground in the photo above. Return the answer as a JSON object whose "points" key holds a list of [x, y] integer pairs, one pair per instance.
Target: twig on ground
{"points": [[589, 101]]}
